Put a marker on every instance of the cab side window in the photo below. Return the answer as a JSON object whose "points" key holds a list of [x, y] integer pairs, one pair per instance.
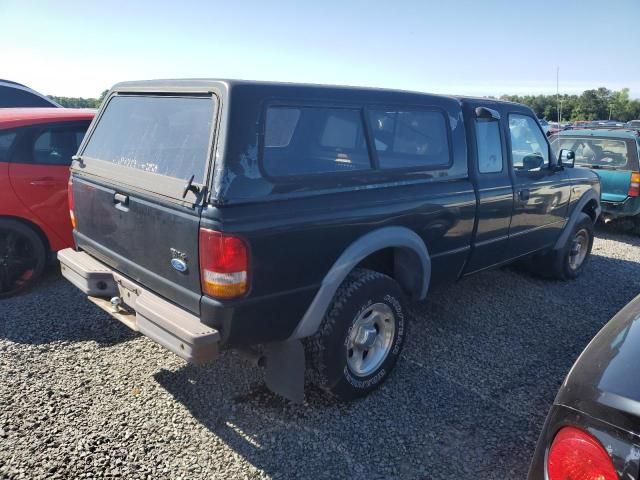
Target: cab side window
{"points": [[529, 148], [56, 146], [489, 146]]}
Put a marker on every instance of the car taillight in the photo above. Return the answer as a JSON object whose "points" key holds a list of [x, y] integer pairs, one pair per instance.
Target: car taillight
{"points": [[634, 186], [71, 204], [224, 264], [576, 455]]}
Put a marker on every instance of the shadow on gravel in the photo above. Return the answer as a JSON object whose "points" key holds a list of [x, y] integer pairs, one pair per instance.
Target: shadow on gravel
{"points": [[467, 400], [55, 311], [614, 232]]}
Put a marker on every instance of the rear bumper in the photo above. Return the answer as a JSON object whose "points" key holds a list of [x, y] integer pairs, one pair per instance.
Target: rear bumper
{"points": [[172, 327], [628, 208]]}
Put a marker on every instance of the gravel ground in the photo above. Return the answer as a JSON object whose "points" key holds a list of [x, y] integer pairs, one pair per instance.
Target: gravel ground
{"points": [[82, 396]]}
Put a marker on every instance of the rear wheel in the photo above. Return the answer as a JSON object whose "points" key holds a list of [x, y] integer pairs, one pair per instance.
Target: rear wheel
{"points": [[22, 257], [361, 336]]}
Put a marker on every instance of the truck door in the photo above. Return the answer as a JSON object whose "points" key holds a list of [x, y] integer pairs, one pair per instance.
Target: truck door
{"points": [[489, 166], [541, 195]]}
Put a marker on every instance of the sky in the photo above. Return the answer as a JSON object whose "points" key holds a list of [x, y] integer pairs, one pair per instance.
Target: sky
{"points": [[467, 47]]}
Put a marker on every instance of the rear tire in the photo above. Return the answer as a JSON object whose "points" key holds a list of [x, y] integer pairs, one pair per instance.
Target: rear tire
{"points": [[361, 336], [23, 257], [569, 261]]}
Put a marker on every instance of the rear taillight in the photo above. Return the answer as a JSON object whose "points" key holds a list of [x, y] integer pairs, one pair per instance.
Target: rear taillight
{"points": [[634, 186], [224, 264], [71, 204], [576, 455]]}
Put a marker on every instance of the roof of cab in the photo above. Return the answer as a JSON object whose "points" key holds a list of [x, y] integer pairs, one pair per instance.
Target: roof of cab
{"points": [[601, 132], [20, 117]]}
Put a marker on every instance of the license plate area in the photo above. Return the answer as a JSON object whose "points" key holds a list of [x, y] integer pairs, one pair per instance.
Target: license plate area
{"points": [[128, 292]]}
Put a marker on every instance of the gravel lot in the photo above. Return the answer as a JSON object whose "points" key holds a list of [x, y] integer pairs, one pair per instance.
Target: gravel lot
{"points": [[82, 396]]}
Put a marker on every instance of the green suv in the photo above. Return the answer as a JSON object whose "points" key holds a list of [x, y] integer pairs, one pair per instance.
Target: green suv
{"points": [[613, 155]]}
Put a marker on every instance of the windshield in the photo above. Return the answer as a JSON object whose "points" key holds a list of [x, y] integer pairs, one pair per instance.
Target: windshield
{"points": [[599, 152], [167, 136]]}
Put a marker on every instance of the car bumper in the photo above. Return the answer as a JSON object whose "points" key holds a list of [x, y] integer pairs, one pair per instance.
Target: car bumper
{"points": [[622, 446], [141, 310], [629, 208]]}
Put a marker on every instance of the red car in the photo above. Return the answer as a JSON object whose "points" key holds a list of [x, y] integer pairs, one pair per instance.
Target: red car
{"points": [[36, 146]]}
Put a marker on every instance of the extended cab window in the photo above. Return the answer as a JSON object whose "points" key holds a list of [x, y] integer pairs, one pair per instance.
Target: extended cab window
{"points": [[489, 146], [529, 148], [405, 139], [167, 136], [309, 140]]}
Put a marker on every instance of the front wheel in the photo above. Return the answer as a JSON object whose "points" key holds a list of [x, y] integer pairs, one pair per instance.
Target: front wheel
{"points": [[569, 261], [361, 336]]}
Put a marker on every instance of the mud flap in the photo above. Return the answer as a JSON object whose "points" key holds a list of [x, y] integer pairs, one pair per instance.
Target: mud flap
{"points": [[285, 367]]}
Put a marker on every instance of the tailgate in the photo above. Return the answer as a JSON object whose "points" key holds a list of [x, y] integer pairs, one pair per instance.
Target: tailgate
{"points": [[128, 188], [615, 184]]}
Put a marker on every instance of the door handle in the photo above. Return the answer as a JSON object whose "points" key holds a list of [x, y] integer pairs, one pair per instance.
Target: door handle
{"points": [[121, 201], [523, 195], [43, 182]]}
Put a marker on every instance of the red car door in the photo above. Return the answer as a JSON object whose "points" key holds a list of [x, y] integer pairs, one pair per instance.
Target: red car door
{"points": [[39, 174]]}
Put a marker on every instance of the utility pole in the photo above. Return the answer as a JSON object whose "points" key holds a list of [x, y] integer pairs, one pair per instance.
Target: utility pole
{"points": [[558, 92], [560, 116]]}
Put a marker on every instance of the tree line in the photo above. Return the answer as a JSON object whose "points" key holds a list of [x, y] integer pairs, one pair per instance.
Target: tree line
{"points": [[79, 102], [597, 104]]}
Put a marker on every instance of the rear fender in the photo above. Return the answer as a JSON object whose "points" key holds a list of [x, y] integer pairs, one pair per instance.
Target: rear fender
{"points": [[387, 237]]}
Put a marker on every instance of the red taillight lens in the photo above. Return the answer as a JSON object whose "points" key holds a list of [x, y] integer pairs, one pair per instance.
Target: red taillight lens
{"points": [[634, 186], [71, 204], [576, 455], [224, 264]]}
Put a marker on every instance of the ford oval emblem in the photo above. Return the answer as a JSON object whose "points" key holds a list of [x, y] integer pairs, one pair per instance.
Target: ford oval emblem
{"points": [[179, 265]]}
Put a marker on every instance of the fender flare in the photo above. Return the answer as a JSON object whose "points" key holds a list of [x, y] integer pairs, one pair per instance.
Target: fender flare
{"points": [[568, 228], [386, 237]]}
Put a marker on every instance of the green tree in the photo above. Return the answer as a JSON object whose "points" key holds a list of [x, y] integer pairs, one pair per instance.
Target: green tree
{"points": [[79, 102]]}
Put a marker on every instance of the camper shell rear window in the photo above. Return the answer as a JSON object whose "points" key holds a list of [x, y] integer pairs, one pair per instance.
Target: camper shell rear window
{"points": [[153, 142]]}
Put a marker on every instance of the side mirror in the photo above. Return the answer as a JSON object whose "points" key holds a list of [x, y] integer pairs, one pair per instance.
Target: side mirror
{"points": [[566, 158], [532, 162]]}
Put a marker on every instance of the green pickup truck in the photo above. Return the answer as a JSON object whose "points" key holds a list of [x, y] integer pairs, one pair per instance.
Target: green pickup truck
{"points": [[613, 155]]}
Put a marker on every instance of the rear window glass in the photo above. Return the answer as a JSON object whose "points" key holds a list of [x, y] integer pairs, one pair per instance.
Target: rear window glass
{"points": [[56, 146], [307, 140], [410, 138], [164, 135], [6, 141], [16, 97], [601, 152]]}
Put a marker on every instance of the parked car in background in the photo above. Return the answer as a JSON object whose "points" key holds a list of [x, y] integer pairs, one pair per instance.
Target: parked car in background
{"points": [[613, 155], [545, 126], [216, 214], [554, 127], [634, 124], [593, 428], [36, 146], [14, 94]]}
